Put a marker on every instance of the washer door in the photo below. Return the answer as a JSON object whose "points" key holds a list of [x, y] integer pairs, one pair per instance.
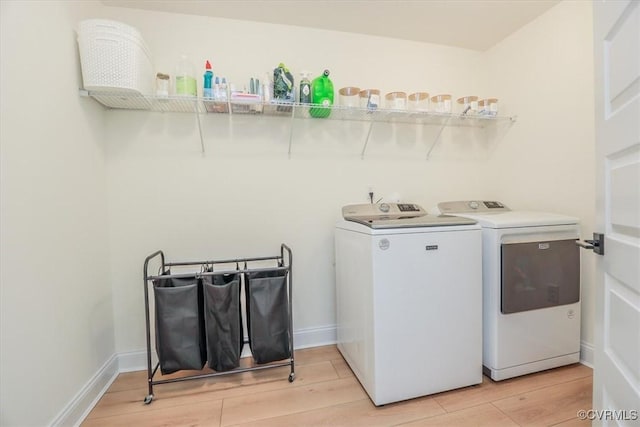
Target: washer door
{"points": [[539, 274]]}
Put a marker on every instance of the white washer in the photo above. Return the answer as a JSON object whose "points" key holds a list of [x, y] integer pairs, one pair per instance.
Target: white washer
{"points": [[531, 288], [409, 300]]}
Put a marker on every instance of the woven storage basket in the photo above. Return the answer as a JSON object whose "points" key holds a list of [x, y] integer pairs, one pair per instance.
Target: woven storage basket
{"points": [[114, 58], [107, 26]]}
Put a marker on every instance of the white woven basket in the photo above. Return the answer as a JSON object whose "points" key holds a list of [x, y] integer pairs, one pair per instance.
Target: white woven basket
{"points": [[107, 26], [114, 58]]}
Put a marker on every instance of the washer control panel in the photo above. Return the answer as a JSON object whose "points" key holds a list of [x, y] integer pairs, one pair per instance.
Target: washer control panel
{"points": [[377, 211], [494, 205], [406, 207], [482, 206]]}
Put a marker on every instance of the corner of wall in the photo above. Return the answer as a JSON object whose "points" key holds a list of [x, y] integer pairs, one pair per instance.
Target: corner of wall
{"points": [[586, 353], [84, 401]]}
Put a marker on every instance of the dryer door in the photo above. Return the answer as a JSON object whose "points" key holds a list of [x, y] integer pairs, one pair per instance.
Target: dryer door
{"points": [[539, 274]]}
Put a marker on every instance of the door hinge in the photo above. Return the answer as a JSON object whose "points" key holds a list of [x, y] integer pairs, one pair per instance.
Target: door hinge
{"points": [[597, 244]]}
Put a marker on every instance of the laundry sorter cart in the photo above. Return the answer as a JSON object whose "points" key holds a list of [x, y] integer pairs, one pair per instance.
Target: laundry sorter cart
{"points": [[198, 316]]}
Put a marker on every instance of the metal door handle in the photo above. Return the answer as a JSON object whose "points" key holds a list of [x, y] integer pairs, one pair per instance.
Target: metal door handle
{"points": [[597, 244], [587, 244]]}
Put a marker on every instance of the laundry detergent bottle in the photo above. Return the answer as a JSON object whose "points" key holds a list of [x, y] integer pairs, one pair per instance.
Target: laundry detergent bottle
{"points": [[321, 96], [283, 84]]}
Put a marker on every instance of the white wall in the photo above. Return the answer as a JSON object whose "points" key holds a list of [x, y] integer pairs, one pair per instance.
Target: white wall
{"points": [[56, 313], [547, 160], [245, 197], [77, 191]]}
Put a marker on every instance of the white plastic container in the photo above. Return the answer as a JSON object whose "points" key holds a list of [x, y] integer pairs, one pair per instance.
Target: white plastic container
{"points": [[114, 58]]}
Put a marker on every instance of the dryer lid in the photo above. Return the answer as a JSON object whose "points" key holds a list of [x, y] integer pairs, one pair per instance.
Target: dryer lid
{"points": [[497, 215], [472, 206]]}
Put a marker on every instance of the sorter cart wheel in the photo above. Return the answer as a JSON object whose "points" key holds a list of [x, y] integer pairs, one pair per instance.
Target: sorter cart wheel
{"points": [[292, 377], [148, 399]]}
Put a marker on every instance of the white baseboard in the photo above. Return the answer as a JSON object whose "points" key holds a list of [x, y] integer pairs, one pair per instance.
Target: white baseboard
{"points": [[302, 338], [84, 401], [134, 360], [315, 337], [586, 354]]}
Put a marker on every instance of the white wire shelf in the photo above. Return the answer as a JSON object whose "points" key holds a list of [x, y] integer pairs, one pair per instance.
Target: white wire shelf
{"points": [[198, 105], [182, 104]]}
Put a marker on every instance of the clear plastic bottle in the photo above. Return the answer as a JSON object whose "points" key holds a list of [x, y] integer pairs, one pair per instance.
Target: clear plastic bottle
{"points": [[224, 94], [267, 88], [216, 88], [185, 83]]}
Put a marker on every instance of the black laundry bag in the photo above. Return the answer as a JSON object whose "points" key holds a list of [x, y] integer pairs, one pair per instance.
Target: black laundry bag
{"points": [[223, 321], [267, 305], [180, 332]]}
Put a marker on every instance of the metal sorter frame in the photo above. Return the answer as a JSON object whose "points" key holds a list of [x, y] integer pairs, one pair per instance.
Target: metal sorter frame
{"points": [[281, 266]]}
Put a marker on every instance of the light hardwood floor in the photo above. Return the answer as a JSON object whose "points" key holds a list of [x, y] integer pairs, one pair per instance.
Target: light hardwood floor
{"points": [[327, 393]]}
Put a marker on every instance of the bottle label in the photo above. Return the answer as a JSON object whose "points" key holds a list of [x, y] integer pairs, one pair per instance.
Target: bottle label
{"points": [[305, 93]]}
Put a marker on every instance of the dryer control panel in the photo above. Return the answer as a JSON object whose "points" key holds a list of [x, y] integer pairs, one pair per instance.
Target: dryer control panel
{"points": [[468, 206], [376, 211]]}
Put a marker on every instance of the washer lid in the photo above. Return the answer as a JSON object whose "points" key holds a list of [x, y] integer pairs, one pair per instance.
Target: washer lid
{"points": [[414, 222], [397, 215]]}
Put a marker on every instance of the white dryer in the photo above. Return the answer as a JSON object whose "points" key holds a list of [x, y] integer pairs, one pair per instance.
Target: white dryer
{"points": [[409, 300], [531, 287]]}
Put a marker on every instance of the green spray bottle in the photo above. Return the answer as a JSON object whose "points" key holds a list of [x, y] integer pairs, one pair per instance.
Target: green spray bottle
{"points": [[321, 95]]}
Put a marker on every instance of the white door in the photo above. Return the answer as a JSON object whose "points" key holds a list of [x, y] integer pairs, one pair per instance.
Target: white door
{"points": [[616, 396]]}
